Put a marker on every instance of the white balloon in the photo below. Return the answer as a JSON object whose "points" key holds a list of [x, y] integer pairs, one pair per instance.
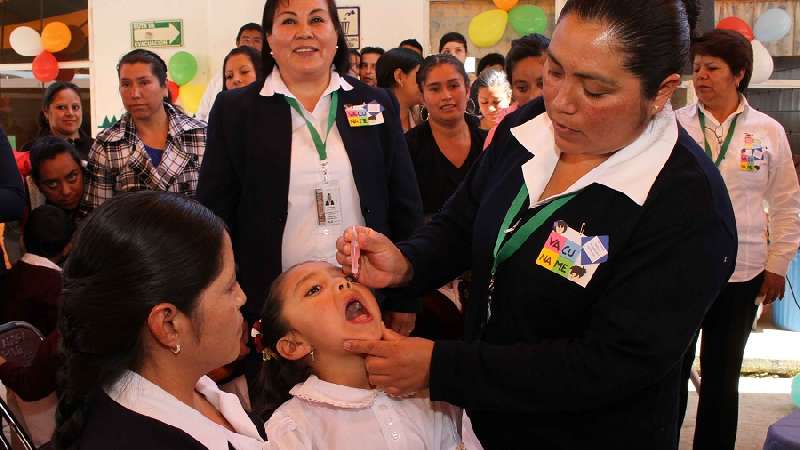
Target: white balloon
{"points": [[26, 41], [773, 25], [762, 63]]}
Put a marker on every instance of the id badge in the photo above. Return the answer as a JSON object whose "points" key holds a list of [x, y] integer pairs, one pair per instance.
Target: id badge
{"points": [[328, 199]]}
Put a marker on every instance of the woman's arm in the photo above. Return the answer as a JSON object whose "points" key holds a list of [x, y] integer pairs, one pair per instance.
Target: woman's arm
{"points": [[783, 198], [100, 179], [12, 192]]}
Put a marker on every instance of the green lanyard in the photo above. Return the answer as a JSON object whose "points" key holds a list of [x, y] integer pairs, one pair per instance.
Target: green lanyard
{"points": [[722, 150], [318, 142], [504, 250]]}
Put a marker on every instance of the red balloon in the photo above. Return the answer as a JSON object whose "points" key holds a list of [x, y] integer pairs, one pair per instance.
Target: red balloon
{"points": [[174, 90], [45, 67], [736, 24], [66, 75]]}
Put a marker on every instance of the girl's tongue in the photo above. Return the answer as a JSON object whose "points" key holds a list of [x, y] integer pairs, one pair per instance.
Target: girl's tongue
{"points": [[356, 312]]}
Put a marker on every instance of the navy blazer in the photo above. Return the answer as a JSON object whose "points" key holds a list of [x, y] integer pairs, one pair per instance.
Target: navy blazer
{"points": [[244, 177], [557, 365]]}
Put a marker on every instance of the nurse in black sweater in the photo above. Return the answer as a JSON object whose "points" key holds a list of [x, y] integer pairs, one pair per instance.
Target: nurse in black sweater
{"points": [[598, 234]]}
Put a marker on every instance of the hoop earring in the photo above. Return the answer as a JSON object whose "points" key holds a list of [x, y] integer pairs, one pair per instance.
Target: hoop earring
{"points": [[473, 110], [176, 350], [424, 114]]}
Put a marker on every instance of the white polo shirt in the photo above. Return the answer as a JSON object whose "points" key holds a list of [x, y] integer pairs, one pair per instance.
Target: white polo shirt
{"points": [[303, 238], [758, 170]]}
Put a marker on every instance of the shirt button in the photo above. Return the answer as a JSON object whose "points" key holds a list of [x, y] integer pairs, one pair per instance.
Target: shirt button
{"points": [[395, 435], [389, 422]]}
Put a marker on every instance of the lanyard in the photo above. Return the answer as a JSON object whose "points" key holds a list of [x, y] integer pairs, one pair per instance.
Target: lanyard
{"points": [[722, 150], [318, 142]]}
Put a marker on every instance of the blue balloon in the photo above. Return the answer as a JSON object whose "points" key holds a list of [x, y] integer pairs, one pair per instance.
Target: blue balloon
{"points": [[796, 391], [773, 25]]}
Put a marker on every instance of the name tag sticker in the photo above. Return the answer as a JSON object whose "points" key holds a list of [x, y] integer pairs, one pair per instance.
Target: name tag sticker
{"points": [[572, 255], [365, 114], [752, 154]]}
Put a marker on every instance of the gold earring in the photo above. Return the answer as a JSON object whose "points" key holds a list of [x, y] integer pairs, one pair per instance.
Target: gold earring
{"points": [[176, 350]]}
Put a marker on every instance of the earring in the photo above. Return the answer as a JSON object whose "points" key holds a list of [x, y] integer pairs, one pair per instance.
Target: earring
{"points": [[312, 356], [176, 350], [424, 114]]}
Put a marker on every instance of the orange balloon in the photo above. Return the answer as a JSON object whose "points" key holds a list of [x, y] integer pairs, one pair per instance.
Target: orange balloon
{"points": [[505, 5], [56, 37]]}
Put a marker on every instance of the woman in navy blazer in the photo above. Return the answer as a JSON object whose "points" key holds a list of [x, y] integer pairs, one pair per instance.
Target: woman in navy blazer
{"points": [[250, 169]]}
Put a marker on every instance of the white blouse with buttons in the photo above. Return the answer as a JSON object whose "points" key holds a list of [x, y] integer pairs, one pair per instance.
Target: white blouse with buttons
{"points": [[757, 170], [335, 417], [303, 239]]}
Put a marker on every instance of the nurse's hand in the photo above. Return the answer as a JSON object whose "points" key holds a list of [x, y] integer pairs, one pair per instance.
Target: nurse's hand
{"points": [[397, 365], [381, 263], [772, 287]]}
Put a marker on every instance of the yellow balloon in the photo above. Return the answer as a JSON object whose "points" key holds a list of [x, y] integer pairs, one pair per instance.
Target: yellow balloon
{"points": [[190, 96], [56, 37], [487, 28]]}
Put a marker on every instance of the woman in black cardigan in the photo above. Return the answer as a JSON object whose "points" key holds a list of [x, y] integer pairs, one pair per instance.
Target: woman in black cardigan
{"points": [[262, 171]]}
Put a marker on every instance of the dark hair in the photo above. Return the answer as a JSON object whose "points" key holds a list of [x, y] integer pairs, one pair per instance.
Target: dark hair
{"points": [[341, 60], [249, 27], [731, 47], [531, 45], [251, 53], [354, 51], [46, 148], [433, 61], [412, 43], [491, 59], [452, 36], [375, 50], [157, 65], [277, 375], [654, 34], [49, 95], [396, 58], [47, 231], [136, 251]]}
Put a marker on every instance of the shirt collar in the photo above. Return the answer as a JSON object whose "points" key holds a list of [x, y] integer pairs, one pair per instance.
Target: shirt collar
{"points": [[630, 171], [319, 391], [743, 107], [36, 260], [140, 395], [274, 84]]}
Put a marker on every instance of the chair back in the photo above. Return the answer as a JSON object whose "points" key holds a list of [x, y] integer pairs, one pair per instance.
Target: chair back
{"points": [[19, 342]]}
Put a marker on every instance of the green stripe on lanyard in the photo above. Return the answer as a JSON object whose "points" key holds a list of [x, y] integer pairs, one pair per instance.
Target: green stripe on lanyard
{"points": [[318, 142], [503, 251], [722, 150]]}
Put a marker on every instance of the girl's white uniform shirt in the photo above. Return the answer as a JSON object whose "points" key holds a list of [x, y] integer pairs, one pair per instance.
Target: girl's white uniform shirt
{"points": [[335, 417], [140, 395], [302, 237], [757, 169]]}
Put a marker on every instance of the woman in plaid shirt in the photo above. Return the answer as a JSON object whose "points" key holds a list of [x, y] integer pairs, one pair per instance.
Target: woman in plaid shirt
{"points": [[154, 146]]}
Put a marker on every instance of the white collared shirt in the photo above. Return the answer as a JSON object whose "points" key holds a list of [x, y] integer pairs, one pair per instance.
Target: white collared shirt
{"points": [[139, 395], [335, 417], [303, 239], [36, 260], [630, 171], [762, 140]]}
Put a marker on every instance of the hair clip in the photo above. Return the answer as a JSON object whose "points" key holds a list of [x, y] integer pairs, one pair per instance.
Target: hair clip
{"points": [[268, 355], [258, 340]]}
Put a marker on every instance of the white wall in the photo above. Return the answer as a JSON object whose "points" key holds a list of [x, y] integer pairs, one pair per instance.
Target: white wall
{"points": [[210, 28]]}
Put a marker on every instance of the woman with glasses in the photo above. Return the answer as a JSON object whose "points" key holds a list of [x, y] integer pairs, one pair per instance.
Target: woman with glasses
{"points": [[753, 155]]}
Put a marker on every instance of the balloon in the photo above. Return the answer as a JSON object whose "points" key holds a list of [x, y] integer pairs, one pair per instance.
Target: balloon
{"points": [[796, 390], [45, 67], [26, 41], [527, 19], [487, 28], [505, 5], [65, 75], [182, 67], [773, 25], [174, 90], [736, 24], [191, 94], [56, 37], [762, 63]]}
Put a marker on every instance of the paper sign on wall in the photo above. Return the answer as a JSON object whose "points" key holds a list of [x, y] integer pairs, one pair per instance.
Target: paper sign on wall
{"points": [[350, 17], [157, 33]]}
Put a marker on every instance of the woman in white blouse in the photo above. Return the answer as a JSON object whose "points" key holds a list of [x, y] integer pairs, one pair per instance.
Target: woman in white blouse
{"points": [[753, 155], [151, 305]]}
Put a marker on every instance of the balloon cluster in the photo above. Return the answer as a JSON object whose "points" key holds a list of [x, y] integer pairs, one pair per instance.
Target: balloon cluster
{"points": [[487, 28], [773, 25], [182, 67], [55, 37]]}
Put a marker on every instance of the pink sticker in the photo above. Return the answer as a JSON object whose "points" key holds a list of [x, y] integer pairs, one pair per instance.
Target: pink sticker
{"points": [[355, 253]]}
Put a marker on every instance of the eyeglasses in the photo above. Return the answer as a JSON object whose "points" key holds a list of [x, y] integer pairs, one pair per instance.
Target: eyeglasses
{"points": [[717, 132]]}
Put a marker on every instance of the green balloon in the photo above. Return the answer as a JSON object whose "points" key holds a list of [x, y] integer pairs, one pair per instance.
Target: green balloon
{"points": [[527, 19], [182, 67]]}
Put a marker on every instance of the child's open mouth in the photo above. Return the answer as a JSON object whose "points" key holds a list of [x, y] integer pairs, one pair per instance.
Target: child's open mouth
{"points": [[356, 312]]}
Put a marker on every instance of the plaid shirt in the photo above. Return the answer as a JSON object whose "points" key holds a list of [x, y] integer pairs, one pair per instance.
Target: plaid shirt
{"points": [[118, 161]]}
